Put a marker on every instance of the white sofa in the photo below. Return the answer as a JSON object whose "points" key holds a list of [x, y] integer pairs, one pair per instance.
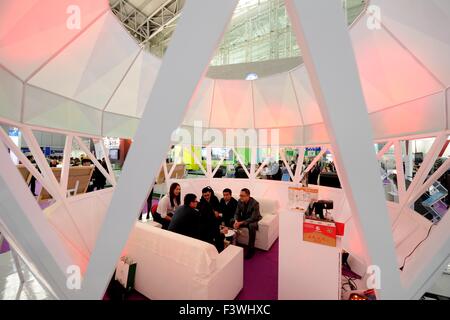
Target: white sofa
{"points": [[173, 266], [268, 226]]}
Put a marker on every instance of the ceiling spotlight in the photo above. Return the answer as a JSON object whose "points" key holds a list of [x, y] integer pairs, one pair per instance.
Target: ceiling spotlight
{"points": [[251, 76]]}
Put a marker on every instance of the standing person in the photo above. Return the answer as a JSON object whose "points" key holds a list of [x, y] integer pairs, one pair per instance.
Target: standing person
{"points": [[247, 216], [99, 178], [314, 175], [149, 205], [227, 207], [279, 171], [33, 178], [186, 220], [167, 205], [210, 219]]}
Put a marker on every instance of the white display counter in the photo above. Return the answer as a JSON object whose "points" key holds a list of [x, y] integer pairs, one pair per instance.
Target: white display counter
{"points": [[307, 271]]}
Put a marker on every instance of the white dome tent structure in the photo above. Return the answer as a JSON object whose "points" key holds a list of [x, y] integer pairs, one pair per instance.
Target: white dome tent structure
{"points": [[383, 80]]}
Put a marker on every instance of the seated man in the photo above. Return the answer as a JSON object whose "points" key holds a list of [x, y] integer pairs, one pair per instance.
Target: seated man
{"points": [[227, 207], [247, 216], [210, 219], [186, 219]]}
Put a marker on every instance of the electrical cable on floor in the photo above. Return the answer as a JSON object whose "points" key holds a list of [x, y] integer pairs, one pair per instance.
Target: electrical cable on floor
{"points": [[428, 234], [351, 283]]}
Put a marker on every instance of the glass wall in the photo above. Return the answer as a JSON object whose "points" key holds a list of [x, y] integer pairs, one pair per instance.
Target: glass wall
{"points": [[259, 30]]}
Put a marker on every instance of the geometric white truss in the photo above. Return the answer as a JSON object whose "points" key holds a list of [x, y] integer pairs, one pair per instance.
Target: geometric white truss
{"points": [[338, 91], [157, 121], [46, 249], [184, 65]]}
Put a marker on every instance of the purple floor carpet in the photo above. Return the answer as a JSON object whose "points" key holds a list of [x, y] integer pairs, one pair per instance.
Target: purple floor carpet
{"points": [[4, 247], [261, 276]]}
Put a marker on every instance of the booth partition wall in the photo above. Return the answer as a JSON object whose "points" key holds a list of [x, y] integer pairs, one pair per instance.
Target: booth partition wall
{"points": [[254, 94]]}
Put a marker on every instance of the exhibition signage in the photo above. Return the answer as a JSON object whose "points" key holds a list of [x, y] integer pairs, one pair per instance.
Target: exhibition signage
{"points": [[301, 197], [319, 231]]}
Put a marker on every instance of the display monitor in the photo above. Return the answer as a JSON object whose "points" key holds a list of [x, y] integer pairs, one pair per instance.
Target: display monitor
{"points": [[114, 154], [418, 157], [330, 179]]}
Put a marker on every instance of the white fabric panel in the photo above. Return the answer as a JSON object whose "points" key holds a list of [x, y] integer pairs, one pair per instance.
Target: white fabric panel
{"points": [[87, 212], [90, 69], [131, 97], [200, 107], [45, 109], [389, 74], [307, 100], [233, 105], [10, 96], [275, 102], [115, 125], [60, 219], [423, 27], [315, 134], [291, 136], [428, 116], [32, 31], [447, 101]]}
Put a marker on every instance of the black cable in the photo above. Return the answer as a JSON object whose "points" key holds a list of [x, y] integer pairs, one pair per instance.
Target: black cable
{"points": [[350, 282], [404, 261]]}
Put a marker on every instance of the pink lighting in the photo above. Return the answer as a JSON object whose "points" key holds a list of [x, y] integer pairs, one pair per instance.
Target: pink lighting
{"points": [[33, 31]]}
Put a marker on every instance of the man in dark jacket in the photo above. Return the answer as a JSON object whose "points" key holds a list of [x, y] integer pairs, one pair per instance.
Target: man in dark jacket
{"points": [[186, 219], [227, 208], [210, 218], [247, 216]]}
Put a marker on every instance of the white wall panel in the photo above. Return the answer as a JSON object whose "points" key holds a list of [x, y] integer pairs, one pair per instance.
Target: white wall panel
{"points": [[10, 96], [306, 97], [233, 105], [389, 74], [115, 125], [90, 69], [315, 134], [45, 109], [416, 117], [32, 31], [423, 27], [200, 106], [275, 102], [133, 93]]}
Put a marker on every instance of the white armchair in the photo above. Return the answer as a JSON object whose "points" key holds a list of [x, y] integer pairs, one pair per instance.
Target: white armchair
{"points": [[173, 266], [268, 226]]}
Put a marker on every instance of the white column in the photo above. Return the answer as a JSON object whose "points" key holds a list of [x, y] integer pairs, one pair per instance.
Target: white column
{"points": [[192, 46], [323, 37], [409, 160], [66, 162], [21, 216]]}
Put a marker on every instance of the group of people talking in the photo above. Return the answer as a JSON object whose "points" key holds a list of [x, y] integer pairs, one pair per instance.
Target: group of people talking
{"points": [[209, 219]]}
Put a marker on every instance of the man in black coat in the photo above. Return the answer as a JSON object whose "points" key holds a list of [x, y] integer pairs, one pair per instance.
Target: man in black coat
{"points": [[186, 219], [247, 216], [210, 219], [227, 208]]}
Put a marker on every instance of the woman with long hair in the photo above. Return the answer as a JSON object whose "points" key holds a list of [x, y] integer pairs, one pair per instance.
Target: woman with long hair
{"points": [[167, 205]]}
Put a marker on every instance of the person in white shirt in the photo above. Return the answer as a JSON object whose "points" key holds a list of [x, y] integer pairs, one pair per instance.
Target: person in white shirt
{"points": [[167, 205]]}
